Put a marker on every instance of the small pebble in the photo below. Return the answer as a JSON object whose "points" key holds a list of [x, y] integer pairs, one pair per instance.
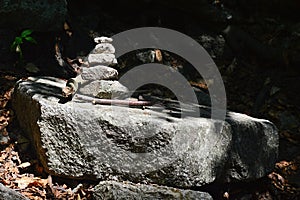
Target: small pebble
{"points": [[103, 39]]}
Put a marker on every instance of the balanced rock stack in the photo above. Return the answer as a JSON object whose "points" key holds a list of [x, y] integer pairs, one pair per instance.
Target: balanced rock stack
{"points": [[98, 79], [99, 59]]}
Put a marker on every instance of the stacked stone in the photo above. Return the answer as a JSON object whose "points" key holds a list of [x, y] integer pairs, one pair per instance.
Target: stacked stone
{"points": [[100, 79], [99, 60]]}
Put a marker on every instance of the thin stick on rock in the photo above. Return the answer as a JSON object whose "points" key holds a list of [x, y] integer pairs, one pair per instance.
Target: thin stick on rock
{"points": [[113, 101]]}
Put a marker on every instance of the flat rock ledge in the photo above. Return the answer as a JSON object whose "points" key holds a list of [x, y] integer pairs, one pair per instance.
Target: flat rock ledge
{"points": [[81, 140], [125, 190]]}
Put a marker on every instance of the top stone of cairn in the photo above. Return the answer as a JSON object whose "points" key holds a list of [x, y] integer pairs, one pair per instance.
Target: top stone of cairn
{"points": [[103, 39]]}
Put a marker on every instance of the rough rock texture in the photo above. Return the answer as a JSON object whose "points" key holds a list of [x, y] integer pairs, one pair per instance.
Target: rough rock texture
{"points": [[119, 143], [124, 190], [9, 194], [99, 72], [43, 15], [101, 59], [104, 89], [96, 77], [104, 48], [256, 142], [214, 45]]}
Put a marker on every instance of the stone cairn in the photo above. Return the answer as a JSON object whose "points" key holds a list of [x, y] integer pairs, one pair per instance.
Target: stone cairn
{"points": [[98, 81], [99, 60]]}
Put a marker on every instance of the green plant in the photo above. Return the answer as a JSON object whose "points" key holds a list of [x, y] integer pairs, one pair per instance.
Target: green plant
{"points": [[16, 45]]}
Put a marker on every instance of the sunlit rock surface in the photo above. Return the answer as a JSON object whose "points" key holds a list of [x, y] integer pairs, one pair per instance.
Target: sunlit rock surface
{"points": [[82, 140]]}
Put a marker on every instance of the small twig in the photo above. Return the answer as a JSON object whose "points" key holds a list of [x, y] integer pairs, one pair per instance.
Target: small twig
{"points": [[113, 101]]}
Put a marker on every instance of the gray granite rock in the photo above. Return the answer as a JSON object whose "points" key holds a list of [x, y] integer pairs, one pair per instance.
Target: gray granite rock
{"points": [[101, 59], [99, 72], [104, 89], [40, 15], [78, 139], [125, 190], [104, 48], [9, 194]]}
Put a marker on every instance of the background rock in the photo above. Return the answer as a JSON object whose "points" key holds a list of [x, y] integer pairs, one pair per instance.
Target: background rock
{"points": [[43, 15]]}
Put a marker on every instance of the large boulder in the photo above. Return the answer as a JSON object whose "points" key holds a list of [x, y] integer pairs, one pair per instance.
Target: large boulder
{"points": [[82, 140], [43, 15], [125, 190]]}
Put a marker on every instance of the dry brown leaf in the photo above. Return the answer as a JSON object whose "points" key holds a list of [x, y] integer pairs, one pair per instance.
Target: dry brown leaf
{"points": [[34, 193], [4, 132], [77, 197], [294, 166], [3, 102], [24, 165], [2, 157], [66, 26], [68, 29], [277, 180], [158, 55], [5, 182], [282, 164], [23, 182], [57, 51], [38, 183], [201, 85]]}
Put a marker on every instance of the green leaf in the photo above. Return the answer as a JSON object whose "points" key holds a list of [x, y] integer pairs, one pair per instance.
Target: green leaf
{"points": [[31, 39], [26, 33], [18, 40], [13, 46]]}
